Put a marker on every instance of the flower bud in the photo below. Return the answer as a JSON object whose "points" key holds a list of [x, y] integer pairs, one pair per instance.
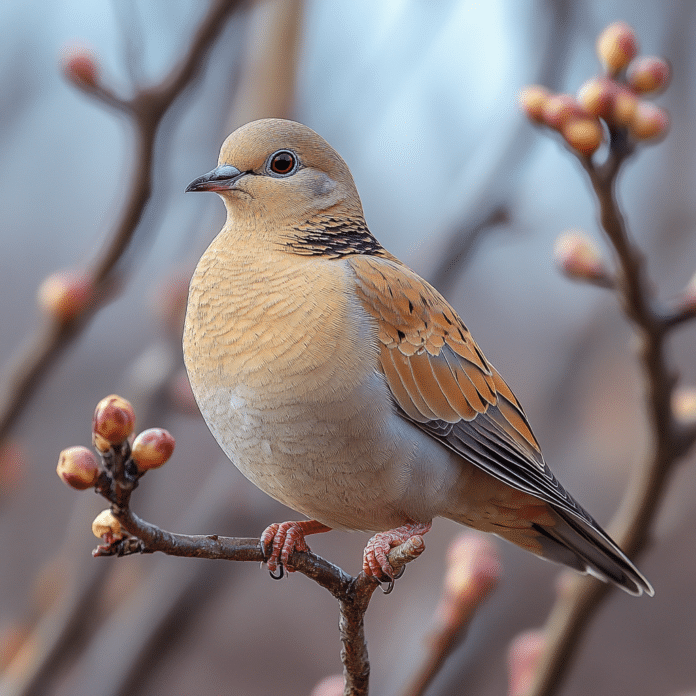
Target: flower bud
{"points": [[152, 448], [617, 46], [114, 421], [107, 527], [559, 109], [578, 257], [597, 96], [80, 66], [684, 404], [584, 135], [78, 467], [623, 109], [532, 100], [523, 658], [473, 572], [648, 121], [65, 294], [648, 74]]}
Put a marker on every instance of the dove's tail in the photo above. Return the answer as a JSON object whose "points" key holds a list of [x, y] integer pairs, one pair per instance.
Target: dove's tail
{"points": [[589, 549]]}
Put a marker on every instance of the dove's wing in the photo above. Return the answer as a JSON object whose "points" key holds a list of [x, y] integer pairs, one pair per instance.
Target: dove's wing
{"points": [[441, 382]]}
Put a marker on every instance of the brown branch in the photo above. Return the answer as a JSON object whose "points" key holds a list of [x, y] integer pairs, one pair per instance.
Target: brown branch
{"points": [[118, 478], [671, 439], [146, 110], [353, 593]]}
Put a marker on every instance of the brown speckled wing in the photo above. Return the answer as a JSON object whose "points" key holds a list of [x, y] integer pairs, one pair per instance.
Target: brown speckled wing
{"points": [[441, 381]]}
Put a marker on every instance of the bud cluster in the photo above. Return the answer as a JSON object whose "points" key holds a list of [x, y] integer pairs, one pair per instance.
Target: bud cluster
{"points": [[112, 428], [561, 112], [615, 97]]}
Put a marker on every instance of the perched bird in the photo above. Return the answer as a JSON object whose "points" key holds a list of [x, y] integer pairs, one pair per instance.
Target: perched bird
{"points": [[346, 387]]}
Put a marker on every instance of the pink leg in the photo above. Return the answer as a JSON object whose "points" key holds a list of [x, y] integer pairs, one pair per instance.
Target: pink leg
{"points": [[375, 561], [280, 540]]}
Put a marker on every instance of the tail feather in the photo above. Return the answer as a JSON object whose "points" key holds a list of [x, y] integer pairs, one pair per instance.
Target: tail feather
{"points": [[590, 550]]}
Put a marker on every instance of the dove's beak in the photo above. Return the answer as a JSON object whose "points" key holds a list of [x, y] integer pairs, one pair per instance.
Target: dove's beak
{"points": [[222, 178]]}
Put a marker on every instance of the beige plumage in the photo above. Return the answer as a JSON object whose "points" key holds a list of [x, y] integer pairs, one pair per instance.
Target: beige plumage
{"points": [[345, 386]]}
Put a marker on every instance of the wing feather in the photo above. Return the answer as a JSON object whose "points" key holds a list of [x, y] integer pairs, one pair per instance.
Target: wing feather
{"points": [[442, 382]]}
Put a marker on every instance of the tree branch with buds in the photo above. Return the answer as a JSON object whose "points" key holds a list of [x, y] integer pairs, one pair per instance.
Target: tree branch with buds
{"points": [[615, 103], [115, 473]]}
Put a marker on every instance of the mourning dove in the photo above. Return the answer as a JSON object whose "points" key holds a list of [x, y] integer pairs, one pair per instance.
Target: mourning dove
{"points": [[346, 387]]}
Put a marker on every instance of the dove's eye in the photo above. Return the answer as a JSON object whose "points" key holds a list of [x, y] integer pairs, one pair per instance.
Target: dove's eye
{"points": [[282, 163]]}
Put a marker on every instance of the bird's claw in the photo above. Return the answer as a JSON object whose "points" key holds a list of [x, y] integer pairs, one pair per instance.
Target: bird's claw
{"points": [[376, 554], [277, 542], [390, 584], [281, 572]]}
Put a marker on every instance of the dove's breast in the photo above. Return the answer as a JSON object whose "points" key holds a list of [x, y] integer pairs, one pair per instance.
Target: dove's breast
{"points": [[287, 379]]}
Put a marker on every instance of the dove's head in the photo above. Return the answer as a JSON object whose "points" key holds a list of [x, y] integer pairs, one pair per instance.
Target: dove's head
{"points": [[282, 171]]}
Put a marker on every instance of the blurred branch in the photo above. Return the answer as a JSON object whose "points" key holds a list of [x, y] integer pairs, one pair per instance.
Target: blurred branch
{"points": [[578, 123], [473, 572], [145, 110], [496, 182], [671, 438]]}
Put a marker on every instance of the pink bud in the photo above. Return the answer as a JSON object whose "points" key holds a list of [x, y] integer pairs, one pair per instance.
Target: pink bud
{"points": [[523, 659], [152, 448], [624, 107], [648, 74], [473, 572], [578, 257], [532, 100], [80, 66], [559, 109], [65, 294], [597, 96], [113, 422], [617, 46], [648, 121], [330, 686], [78, 467]]}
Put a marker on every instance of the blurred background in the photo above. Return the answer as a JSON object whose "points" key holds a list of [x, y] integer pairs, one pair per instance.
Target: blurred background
{"points": [[420, 98]]}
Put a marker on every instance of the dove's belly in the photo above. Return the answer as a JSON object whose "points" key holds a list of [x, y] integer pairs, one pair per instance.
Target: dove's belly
{"points": [[344, 463]]}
